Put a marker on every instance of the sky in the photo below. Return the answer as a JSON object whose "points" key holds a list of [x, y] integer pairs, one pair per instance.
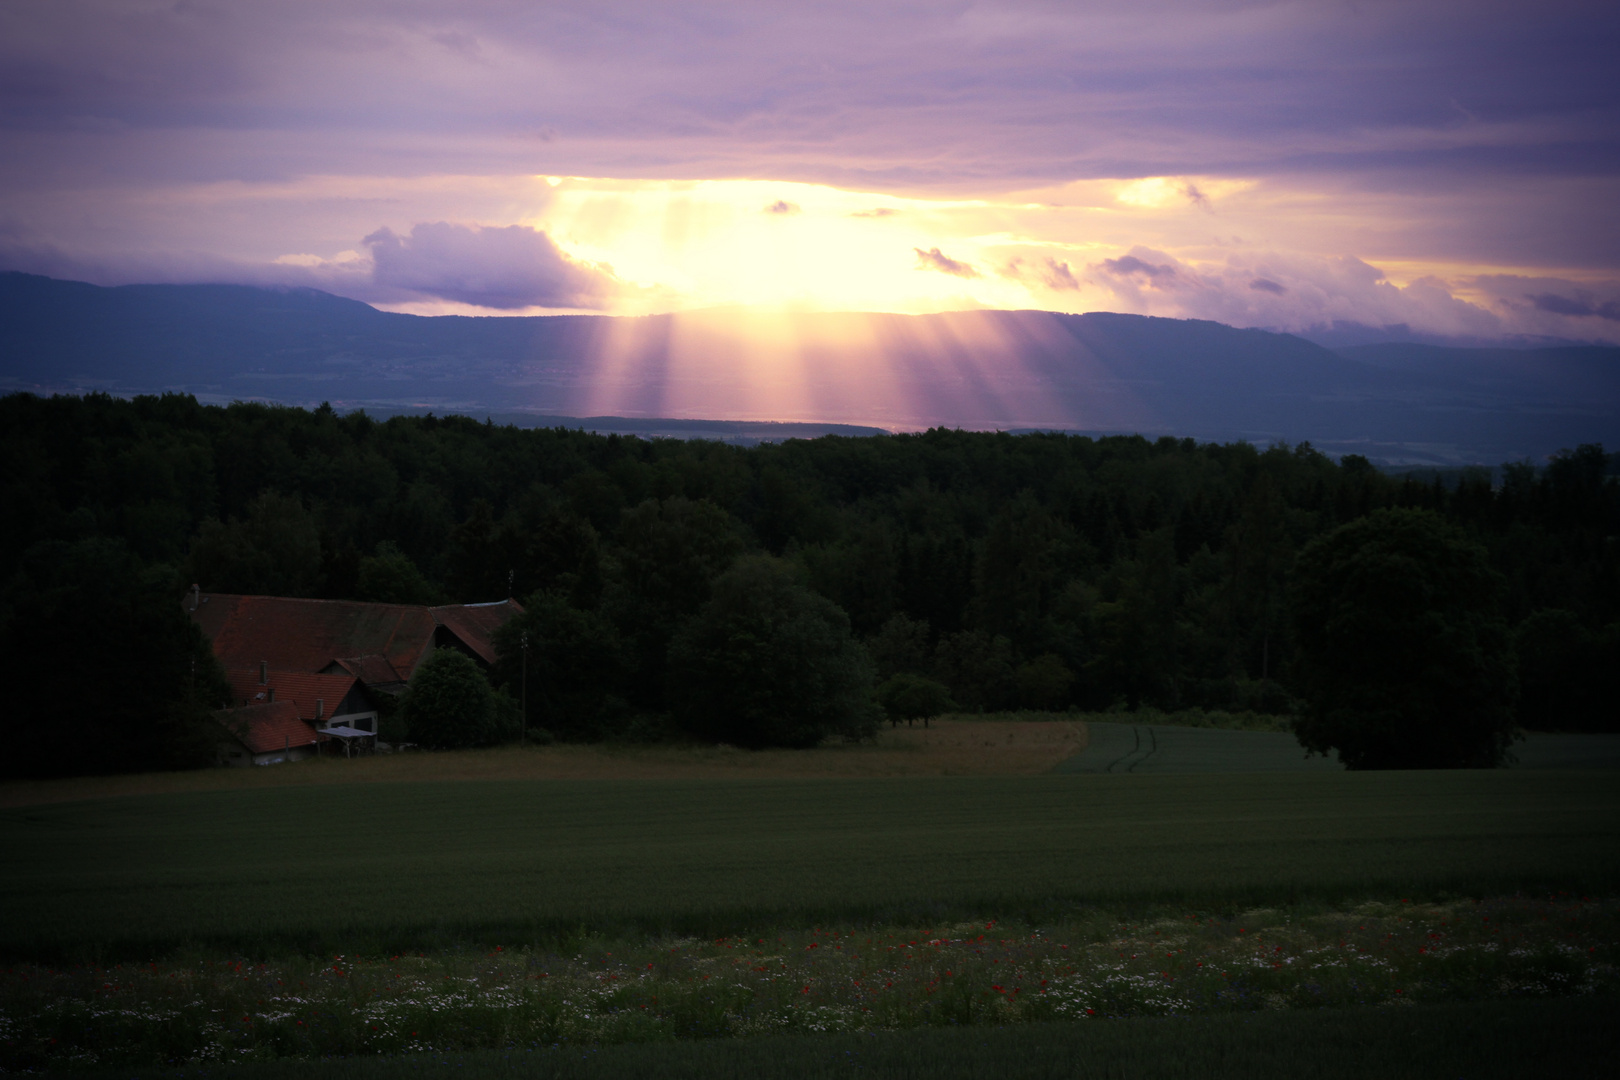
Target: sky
{"points": [[1450, 167]]}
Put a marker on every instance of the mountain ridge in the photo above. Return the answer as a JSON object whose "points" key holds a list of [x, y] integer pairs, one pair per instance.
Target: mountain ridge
{"points": [[1097, 372]]}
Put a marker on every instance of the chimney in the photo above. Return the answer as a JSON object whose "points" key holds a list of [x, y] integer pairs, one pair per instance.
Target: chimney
{"points": [[264, 672], [196, 596], [320, 708], [269, 693]]}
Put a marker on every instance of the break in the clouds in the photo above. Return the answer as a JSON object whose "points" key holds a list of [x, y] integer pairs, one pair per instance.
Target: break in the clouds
{"points": [[1450, 145], [502, 268]]}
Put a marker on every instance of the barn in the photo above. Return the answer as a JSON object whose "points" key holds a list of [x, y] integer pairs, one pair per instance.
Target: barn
{"points": [[331, 665]]}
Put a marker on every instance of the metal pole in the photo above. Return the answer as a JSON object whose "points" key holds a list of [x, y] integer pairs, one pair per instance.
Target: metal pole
{"points": [[523, 739]]}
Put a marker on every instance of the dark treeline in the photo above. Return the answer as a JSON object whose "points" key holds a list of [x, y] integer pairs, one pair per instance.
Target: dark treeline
{"points": [[1040, 571]]}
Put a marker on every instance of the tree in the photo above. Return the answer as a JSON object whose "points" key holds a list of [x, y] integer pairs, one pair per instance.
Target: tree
{"points": [[1404, 659], [978, 669], [577, 668], [103, 670], [450, 704], [767, 662], [1567, 674], [275, 551], [1043, 683], [901, 645], [390, 577], [911, 697], [668, 554]]}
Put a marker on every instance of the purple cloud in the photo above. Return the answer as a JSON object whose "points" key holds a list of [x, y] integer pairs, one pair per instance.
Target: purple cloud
{"points": [[934, 259], [172, 137], [501, 268], [1128, 265], [782, 206], [1267, 285], [1585, 308]]}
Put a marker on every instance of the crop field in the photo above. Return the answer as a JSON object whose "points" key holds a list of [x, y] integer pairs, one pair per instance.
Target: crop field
{"points": [[1002, 744], [389, 866], [1012, 744], [399, 920]]}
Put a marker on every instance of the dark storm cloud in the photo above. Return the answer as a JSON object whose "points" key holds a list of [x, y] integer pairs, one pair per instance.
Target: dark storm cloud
{"points": [[956, 95], [1580, 308], [934, 259], [513, 267]]}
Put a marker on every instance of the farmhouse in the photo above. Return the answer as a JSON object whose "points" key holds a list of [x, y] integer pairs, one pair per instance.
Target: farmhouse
{"points": [[328, 664]]}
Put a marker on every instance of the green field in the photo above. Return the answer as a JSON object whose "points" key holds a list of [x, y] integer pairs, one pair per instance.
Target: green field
{"points": [[1570, 1039], [385, 867], [1144, 747], [896, 927]]}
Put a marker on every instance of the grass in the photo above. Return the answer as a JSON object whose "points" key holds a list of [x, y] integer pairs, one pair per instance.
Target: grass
{"points": [[836, 979], [1573, 1038], [1003, 744], [1226, 924], [389, 867]]}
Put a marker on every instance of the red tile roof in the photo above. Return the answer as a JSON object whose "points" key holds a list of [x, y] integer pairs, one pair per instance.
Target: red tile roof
{"points": [[310, 635], [307, 635], [371, 670], [264, 728], [300, 688], [475, 624]]}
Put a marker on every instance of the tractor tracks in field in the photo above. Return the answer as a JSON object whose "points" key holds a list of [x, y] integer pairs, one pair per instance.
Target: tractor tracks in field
{"points": [[1141, 750]]}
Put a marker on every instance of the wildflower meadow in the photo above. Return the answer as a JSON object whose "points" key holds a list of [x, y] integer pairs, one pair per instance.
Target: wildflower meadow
{"points": [[848, 979]]}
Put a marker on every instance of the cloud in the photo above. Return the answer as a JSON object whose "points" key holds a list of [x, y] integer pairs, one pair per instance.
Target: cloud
{"points": [[934, 259], [1579, 308], [1129, 265], [1444, 134], [500, 268], [782, 206], [1284, 291], [1048, 272], [879, 212]]}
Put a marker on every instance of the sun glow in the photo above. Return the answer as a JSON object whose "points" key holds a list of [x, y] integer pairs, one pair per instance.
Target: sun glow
{"points": [[799, 246]]}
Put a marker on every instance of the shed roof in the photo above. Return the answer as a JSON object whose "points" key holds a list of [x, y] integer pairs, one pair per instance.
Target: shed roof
{"points": [[263, 728]]}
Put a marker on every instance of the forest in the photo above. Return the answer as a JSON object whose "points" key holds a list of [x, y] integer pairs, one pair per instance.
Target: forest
{"points": [[1041, 571]]}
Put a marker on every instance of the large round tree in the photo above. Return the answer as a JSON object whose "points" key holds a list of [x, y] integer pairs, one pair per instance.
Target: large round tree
{"points": [[450, 704], [767, 662], [1404, 660]]}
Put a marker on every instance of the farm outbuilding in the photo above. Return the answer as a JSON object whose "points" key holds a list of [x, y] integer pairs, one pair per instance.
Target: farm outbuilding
{"points": [[265, 734], [322, 700]]}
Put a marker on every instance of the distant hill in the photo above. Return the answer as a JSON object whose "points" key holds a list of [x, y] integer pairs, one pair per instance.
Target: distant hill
{"points": [[854, 372]]}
